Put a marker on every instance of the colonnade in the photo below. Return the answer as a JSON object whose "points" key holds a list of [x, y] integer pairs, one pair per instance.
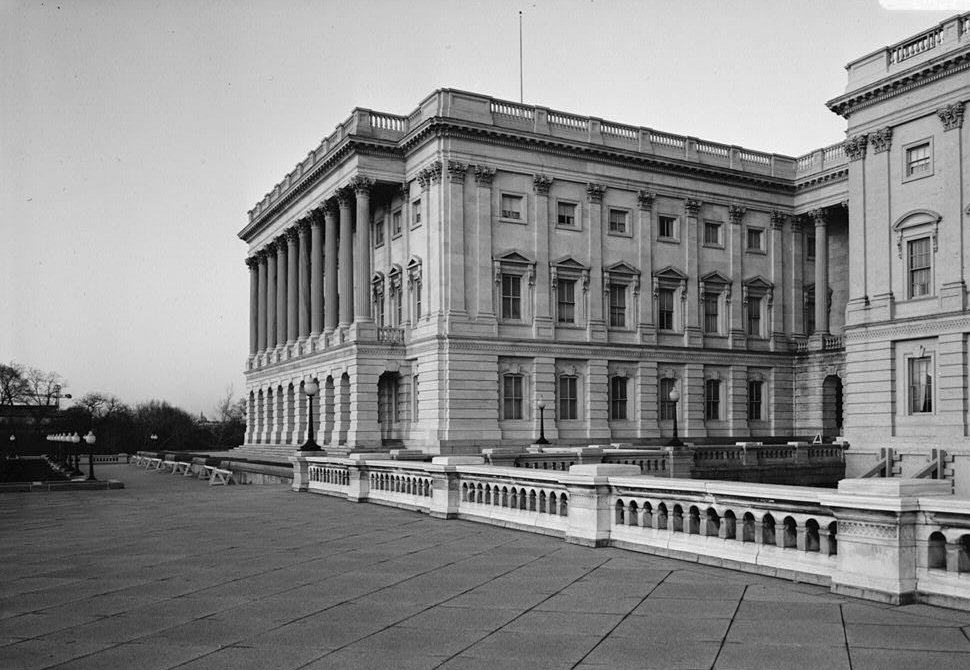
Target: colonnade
{"points": [[314, 277]]}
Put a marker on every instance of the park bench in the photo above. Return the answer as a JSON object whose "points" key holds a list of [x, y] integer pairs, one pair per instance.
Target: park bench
{"points": [[220, 477], [138, 460], [205, 471], [183, 467], [153, 464], [165, 465]]}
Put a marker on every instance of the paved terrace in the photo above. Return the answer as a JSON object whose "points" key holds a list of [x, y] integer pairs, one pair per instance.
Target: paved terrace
{"points": [[171, 573]]}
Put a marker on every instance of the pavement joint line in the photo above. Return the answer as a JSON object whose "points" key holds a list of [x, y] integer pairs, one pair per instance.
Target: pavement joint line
{"points": [[530, 609], [727, 632], [442, 602], [966, 632], [845, 636], [622, 619]]}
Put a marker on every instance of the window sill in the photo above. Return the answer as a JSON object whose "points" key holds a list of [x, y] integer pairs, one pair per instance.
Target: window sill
{"points": [[917, 176], [520, 222], [613, 233], [572, 229], [711, 245], [669, 240], [759, 252]]}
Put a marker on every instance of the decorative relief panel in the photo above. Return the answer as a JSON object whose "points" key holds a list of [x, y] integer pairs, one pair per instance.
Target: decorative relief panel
{"points": [[868, 529]]}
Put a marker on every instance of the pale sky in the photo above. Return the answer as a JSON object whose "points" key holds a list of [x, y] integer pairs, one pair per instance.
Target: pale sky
{"points": [[135, 136]]}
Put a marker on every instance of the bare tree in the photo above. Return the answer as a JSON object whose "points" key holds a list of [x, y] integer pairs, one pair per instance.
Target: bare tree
{"points": [[41, 393], [12, 384], [231, 422]]}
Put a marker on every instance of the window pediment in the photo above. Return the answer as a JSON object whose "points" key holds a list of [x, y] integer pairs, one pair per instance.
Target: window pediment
{"points": [[568, 263], [671, 274], [514, 257], [917, 221]]}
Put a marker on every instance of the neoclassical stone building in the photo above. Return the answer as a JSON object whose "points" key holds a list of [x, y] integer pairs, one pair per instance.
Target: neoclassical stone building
{"points": [[441, 273]]}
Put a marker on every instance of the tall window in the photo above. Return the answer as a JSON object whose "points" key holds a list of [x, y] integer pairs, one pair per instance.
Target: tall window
{"points": [[919, 267], [379, 304], [417, 300], [667, 227], [566, 215], [756, 239], [512, 207], [512, 396], [711, 321], [712, 233], [810, 312], [712, 400], [918, 159], [379, 233], [617, 306], [566, 301], [755, 389], [754, 316], [810, 247], [414, 398], [618, 221], [396, 223], [618, 398], [665, 309], [920, 385], [567, 398], [668, 407], [398, 312], [415, 213], [511, 296]]}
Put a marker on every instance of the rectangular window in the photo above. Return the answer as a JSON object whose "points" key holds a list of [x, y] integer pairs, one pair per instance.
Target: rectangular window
{"points": [[414, 398], [566, 301], [567, 398], [665, 309], [618, 398], [512, 207], [417, 300], [618, 221], [754, 317], [396, 223], [398, 304], [918, 159], [756, 239], [512, 397], [511, 296], [379, 233], [667, 227], [712, 400], [711, 321], [415, 213], [754, 400], [810, 247], [712, 233], [617, 306], [920, 385], [668, 407], [810, 313], [919, 267], [566, 215], [379, 303]]}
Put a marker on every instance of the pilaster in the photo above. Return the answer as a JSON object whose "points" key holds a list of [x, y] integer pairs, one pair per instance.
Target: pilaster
{"points": [[954, 247], [646, 328], [452, 241], [776, 325], [735, 299], [692, 326], [542, 320], [595, 323], [483, 244]]}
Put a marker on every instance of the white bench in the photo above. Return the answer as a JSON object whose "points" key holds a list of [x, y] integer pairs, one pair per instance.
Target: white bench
{"points": [[220, 477], [183, 467], [205, 471], [137, 459], [165, 465], [153, 464]]}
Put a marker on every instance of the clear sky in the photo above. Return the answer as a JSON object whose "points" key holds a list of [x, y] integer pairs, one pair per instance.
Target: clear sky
{"points": [[135, 136]]}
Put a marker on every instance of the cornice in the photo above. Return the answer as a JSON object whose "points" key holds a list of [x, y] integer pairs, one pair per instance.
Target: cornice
{"points": [[903, 82], [822, 179]]}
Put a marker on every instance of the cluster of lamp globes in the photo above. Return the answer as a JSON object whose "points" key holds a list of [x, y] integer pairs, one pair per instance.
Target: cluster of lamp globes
{"points": [[75, 438]]}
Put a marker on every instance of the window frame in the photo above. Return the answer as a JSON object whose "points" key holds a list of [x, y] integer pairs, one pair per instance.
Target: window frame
{"points": [[416, 213], [666, 408], [712, 399], [517, 279], [672, 292], [756, 400], [378, 229], [674, 224], [575, 225], [513, 401], [397, 223], [929, 358], [928, 268], [561, 284], [523, 218], [748, 232], [718, 228], [563, 400], [627, 230], [616, 289], [907, 164], [619, 402]]}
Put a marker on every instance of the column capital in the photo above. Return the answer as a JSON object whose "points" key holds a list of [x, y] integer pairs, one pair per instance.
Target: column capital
{"points": [[404, 191], [281, 244], [819, 216], [951, 116], [645, 199], [252, 262], [855, 147], [736, 213], [881, 140], [293, 234], [345, 196], [329, 206], [541, 184], [303, 226], [269, 248], [456, 171], [594, 192], [484, 175], [361, 184], [692, 207], [778, 219]]}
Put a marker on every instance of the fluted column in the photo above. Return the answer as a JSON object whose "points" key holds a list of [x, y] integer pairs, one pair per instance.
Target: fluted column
{"points": [[328, 306], [346, 254], [281, 290], [292, 284], [252, 262], [311, 285], [304, 318], [362, 265], [821, 274], [270, 295]]}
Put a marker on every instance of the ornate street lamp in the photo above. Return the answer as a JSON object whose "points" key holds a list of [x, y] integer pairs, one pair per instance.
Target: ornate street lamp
{"points": [[154, 441], [89, 439], [675, 441], [75, 439], [541, 404], [310, 388]]}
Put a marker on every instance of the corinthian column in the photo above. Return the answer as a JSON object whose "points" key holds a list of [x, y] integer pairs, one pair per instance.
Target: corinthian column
{"points": [[345, 270], [252, 262], [281, 290], [330, 301], [304, 319], [271, 295], [821, 274], [316, 273], [292, 284], [362, 266]]}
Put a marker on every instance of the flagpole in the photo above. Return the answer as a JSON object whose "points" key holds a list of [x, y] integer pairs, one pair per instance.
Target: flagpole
{"points": [[521, 97]]}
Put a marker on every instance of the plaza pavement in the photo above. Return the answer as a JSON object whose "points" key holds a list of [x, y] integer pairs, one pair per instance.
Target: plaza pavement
{"points": [[171, 573]]}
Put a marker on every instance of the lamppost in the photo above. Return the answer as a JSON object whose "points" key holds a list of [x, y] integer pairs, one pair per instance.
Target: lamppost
{"points": [[541, 404], [310, 388], [89, 439], [75, 439], [13, 445], [675, 441], [154, 441]]}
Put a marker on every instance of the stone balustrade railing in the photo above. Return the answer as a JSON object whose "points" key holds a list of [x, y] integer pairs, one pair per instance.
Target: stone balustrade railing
{"points": [[891, 540], [915, 46]]}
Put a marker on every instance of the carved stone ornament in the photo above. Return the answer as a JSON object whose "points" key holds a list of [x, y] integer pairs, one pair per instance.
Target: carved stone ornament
{"points": [[881, 140], [252, 262], [456, 171], [951, 116], [778, 219], [736, 213], [819, 216], [424, 178], [645, 199], [345, 196], [303, 225], [330, 207], [692, 207], [404, 191], [855, 147], [594, 192], [281, 244], [484, 175], [541, 184], [361, 184], [293, 234], [435, 171], [497, 266], [584, 280], [270, 248]]}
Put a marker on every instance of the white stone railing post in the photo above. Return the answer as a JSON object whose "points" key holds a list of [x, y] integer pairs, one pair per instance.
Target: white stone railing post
{"points": [[445, 487], [359, 478], [301, 475], [590, 513]]}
